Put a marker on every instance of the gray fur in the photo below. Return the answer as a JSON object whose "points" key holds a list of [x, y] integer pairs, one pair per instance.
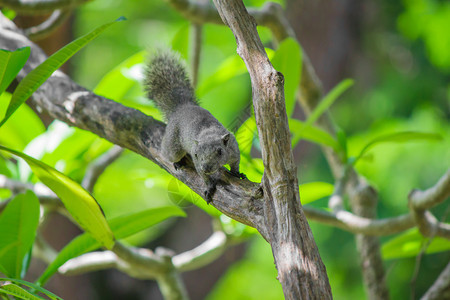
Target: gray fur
{"points": [[190, 129]]}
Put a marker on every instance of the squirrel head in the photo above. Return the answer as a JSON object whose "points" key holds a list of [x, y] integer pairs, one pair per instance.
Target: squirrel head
{"points": [[209, 156]]}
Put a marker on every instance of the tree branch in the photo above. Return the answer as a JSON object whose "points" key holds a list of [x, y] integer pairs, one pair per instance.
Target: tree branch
{"points": [[300, 268], [34, 7], [45, 195], [46, 28], [98, 166], [127, 127]]}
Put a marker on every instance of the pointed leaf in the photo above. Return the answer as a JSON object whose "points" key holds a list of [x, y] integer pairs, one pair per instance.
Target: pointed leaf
{"points": [[312, 191], [18, 224], [313, 134], [180, 41], [245, 136], [80, 204], [231, 67], [288, 61], [398, 137], [122, 227], [33, 286], [410, 243], [18, 292], [11, 62], [41, 73], [328, 100]]}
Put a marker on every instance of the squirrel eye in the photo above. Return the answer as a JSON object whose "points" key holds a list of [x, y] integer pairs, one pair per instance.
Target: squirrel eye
{"points": [[195, 155], [219, 151]]}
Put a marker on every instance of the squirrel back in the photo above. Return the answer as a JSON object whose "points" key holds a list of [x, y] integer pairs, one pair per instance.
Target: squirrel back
{"points": [[167, 83], [191, 130]]}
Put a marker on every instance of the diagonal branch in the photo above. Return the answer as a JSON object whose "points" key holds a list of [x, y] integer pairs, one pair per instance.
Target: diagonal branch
{"points": [[300, 268], [129, 128], [98, 166], [46, 28]]}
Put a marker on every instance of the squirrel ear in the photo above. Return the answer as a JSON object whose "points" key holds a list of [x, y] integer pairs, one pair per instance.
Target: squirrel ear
{"points": [[226, 138]]}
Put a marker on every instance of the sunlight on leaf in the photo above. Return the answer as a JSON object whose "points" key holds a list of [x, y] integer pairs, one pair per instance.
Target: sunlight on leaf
{"points": [[41, 73], [18, 224], [328, 100], [410, 243], [80, 204]]}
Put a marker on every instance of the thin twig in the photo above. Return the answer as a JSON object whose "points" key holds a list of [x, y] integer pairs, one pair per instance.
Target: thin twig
{"points": [[421, 254], [440, 288], [98, 166], [46, 28], [197, 33], [203, 254], [36, 7]]}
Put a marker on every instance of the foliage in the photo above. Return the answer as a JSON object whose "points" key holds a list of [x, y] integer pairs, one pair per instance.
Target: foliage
{"points": [[394, 110]]}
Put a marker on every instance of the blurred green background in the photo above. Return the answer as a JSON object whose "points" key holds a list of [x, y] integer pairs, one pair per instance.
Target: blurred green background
{"points": [[398, 54]]}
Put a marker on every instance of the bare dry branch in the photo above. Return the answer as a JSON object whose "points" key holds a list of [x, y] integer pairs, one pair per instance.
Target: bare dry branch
{"points": [[421, 200], [440, 288], [46, 28], [203, 254], [98, 166], [45, 195], [127, 127], [34, 7]]}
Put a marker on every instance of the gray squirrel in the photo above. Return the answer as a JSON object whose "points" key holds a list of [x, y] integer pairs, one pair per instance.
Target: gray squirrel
{"points": [[190, 129]]}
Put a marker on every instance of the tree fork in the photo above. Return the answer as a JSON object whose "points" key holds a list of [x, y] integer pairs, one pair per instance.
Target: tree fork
{"points": [[300, 268]]}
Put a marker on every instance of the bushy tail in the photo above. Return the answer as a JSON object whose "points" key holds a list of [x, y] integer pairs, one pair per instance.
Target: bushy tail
{"points": [[167, 82]]}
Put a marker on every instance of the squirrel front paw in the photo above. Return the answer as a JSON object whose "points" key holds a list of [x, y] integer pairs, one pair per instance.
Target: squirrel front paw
{"points": [[209, 193], [238, 175], [179, 164]]}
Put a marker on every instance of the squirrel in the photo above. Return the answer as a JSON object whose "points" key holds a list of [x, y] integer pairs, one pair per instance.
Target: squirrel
{"points": [[191, 130]]}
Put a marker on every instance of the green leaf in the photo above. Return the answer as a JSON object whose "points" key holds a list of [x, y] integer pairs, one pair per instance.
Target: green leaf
{"points": [[312, 191], [342, 140], [245, 136], [41, 73], [80, 204], [410, 243], [18, 224], [117, 82], [21, 128], [288, 61], [230, 68], [123, 226], [33, 286], [328, 100], [17, 291], [180, 42], [301, 130], [11, 62], [79, 245], [398, 137]]}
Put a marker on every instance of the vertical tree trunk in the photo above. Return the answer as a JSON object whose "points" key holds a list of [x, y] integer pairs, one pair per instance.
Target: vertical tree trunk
{"points": [[300, 268]]}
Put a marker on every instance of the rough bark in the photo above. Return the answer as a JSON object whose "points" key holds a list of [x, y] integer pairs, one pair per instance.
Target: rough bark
{"points": [[300, 269]]}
